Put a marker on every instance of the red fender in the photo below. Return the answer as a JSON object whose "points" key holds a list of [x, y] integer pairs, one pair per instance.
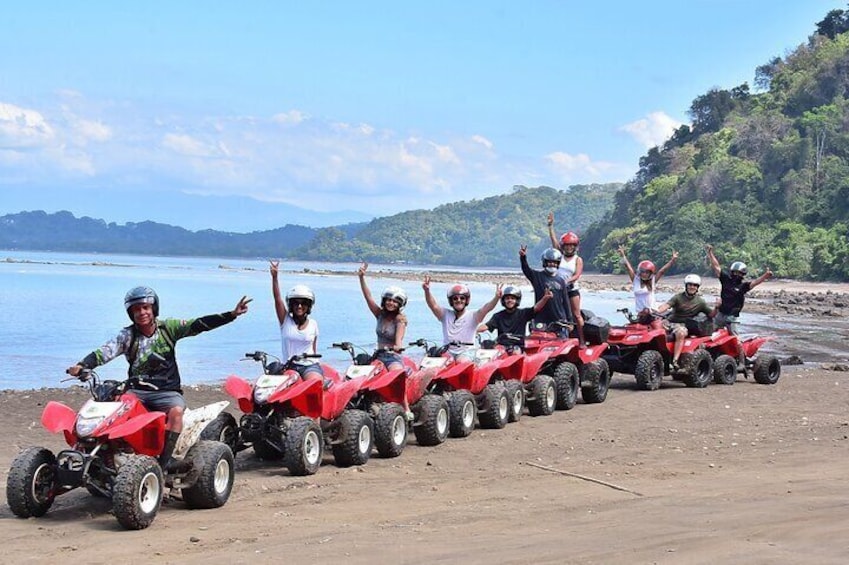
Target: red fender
{"points": [[145, 433], [57, 417], [242, 391], [532, 365], [512, 367], [753, 344], [459, 376], [391, 386], [337, 397], [589, 354], [305, 395]]}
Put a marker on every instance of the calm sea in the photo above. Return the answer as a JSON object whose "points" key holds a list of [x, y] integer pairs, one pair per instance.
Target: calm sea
{"points": [[57, 307]]}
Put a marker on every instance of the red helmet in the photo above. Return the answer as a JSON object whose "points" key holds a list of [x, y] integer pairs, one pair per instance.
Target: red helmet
{"points": [[459, 290], [569, 238], [646, 267]]}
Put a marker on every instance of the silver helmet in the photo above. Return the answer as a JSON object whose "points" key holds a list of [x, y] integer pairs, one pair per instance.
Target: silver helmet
{"points": [[395, 293], [141, 295], [514, 291]]}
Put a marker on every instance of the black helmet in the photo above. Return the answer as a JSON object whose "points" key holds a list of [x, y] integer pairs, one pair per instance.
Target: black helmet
{"points": [[141, 295], [513, 291]]}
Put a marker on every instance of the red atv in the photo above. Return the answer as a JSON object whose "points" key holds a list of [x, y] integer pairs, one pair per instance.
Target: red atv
{"points": [[383, 393], [645, 351], [470, 387], [289, 417], [114, 443], [520, 372], [723, 347], [570, 365]]}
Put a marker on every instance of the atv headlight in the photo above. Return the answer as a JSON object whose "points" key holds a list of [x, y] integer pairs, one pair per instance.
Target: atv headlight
{"points": [[267, 384], [86, 426]]}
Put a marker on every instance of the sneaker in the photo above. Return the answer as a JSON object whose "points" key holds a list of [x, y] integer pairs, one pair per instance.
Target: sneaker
{"points": [[410, 416], [675, 365]]}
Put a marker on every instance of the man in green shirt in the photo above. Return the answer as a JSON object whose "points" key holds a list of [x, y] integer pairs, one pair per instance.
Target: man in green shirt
{"points": [[684, 306]]}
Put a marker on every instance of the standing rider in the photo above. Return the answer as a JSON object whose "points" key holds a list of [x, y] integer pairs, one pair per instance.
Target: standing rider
{"points": [[558, 308], [149, 345], [571, 267]]}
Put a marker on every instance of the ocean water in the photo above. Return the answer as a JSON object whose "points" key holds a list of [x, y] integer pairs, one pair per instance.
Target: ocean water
{"points": [[57, 307]]}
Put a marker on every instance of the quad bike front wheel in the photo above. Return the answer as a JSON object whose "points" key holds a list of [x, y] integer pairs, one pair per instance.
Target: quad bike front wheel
{"points": [[542, 397], [494, 406], [30, 489], [516, 397], [224, 429], [390, 430], [214, 462], [649, 370], [567, 382], [595, 381], [767, 370], [697, 367], [137, 493], [461, 410], [355, 438], [432, 418], [304, 446]]}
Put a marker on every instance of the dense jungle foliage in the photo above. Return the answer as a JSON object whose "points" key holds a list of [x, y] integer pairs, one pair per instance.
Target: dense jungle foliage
{"points": [[763, 176], [474, 233]]}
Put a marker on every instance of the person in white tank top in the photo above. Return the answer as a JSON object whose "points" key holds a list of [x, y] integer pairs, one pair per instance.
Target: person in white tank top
{"points": [[644, 282], [571, 267], [298, 332]]}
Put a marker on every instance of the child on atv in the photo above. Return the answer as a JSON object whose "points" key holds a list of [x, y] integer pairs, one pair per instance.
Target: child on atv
{"points": [[513, 321], [684, 305]]}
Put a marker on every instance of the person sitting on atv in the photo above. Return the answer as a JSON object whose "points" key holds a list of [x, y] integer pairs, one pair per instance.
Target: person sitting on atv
{"points": [[733, 295], [513, 321], [458, 324], [149, 346], [298, 332], [645, 281], [391, 321], [684, 305], [571, 267], [558, 307]]}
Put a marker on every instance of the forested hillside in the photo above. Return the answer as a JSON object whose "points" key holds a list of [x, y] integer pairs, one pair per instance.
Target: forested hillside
{"points": [[476, 233], [764, 175]]}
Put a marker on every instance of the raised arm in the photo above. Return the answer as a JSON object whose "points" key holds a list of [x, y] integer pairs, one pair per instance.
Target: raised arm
{"points": [[481, 312], [279, 303], [554, 242], [523, 261], [431, 301], [666, 267], [714, 263], [372, 305], [767, 275], [543, 301], [631, 273]]}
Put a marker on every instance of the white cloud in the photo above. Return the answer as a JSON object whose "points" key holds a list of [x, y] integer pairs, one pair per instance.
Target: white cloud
{"points": [[187, 145], [292, 117], [653, 130], [576, 165], [21, 128], [482, 140]]}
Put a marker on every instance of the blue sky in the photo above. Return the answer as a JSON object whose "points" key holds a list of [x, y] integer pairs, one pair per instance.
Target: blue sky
{"points": [[376, 107]]}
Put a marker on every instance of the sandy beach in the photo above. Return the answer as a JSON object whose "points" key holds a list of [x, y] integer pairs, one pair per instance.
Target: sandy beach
{"points": [[727, 474]]}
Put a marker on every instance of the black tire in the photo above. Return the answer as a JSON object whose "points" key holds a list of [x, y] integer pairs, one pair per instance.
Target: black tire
{"points": [[697, 367], [266, 451], [137, 493], [595, 381], [432, 418], [566, 382], [516, 397], [494, 411], [354, 440], [213, 460], [304, 446], [30, 484], [461, 411], [767, 370], [224, 429], [390, 430], [542, 399], [725, 370], [649, 370]]}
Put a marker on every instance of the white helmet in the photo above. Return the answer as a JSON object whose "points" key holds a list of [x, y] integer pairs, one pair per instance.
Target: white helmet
{"points": [[300, 291], [693, 279], [739, 266], [395, 293]]}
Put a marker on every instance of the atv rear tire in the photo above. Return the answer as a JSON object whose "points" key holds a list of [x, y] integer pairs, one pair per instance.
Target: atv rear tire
{"points": [[29, 486], [542, 399], [137, 492], [224, 429], [725, 370], [595, 381], [390, 430], [304, 446], [649, 370], [461, 410], [213, 460], [566, 383], [431, 426], [767, 370], [516, 397], [697, 367], [494, 410], [355, 438]]}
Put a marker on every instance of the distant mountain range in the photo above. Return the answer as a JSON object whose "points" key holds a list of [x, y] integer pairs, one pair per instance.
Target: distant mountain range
{"points": [[224, 213]]}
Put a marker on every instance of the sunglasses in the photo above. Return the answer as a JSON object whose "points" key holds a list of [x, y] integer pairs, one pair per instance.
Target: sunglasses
{"points": [[299, 302], [457, 298]]}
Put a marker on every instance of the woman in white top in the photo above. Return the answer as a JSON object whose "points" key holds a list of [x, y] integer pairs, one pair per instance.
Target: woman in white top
{"points": [[645, 282], [298, 332]]}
